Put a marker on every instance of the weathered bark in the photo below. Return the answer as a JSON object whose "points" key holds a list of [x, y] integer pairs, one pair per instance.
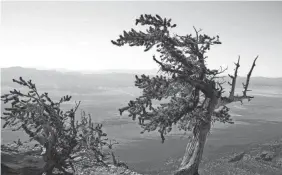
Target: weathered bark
{"points": [[195, 147], [194, 152], [47, 138]]}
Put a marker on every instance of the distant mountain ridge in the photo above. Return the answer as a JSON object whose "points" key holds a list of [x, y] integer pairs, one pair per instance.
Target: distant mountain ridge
{"points": [[64, 79], [99, 79], [62, 70]]}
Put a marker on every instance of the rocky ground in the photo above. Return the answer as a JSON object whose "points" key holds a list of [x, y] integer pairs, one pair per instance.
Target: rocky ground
{"points": [[26, 160], [259, 159]]}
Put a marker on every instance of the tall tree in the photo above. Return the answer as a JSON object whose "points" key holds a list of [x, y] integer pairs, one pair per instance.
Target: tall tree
{"points": [[193, 91]]}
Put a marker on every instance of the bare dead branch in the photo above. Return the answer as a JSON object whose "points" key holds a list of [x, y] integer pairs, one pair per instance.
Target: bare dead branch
{"points": [[226, 100], [76, 106], [214, 73], [233, 78], [245, 86], [221, 70]]}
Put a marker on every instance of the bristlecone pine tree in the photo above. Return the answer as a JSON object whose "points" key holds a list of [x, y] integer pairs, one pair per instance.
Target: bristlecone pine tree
{"points": [[193, 91], [58, 131]]}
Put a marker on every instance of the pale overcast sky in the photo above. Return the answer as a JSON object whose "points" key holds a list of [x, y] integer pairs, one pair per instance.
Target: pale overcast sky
{"points": [[76, 35]]}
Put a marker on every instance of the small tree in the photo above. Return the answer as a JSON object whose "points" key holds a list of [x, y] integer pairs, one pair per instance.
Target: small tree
{"points": [[93, 140], [58, 131], [194, 92]]}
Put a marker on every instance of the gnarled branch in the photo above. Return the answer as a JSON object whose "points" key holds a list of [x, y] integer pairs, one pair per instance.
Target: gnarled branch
{"points": [[225, 100], [248, 78], [234, 78]]}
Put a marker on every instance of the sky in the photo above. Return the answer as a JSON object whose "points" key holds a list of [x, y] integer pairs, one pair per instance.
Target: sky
{"points": [[76, 35]]}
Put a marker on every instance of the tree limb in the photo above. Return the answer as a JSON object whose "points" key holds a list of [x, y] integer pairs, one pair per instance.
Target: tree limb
{"points": [[248, 78], [226, 100], [234, 78]]}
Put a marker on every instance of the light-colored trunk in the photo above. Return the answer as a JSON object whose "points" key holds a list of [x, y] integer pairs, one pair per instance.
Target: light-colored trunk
{"points": [[194, 152], [195, 147]]}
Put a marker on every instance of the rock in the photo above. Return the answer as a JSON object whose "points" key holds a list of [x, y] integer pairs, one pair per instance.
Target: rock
{"points": [[18, 170], [247, 157], [27, 161], [237, 157], [267, 155], [5, 170], [78, 158], [279, 162], [20, 163]]}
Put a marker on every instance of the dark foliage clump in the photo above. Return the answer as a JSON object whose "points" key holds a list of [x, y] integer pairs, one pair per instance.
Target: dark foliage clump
{"points": [[57, 131]]}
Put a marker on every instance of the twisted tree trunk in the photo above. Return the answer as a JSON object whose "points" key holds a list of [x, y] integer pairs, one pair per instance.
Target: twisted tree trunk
{"points": [[194, 152], [195, 147]]}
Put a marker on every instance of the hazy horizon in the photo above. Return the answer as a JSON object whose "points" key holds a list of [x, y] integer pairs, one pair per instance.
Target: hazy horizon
{"points": [[106, 71], [75, 36]]}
